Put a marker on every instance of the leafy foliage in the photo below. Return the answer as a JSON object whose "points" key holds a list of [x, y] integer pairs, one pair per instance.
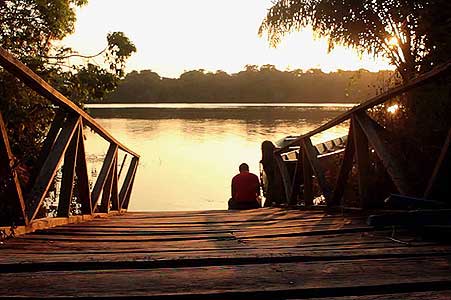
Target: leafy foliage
{"points": [[402, 31], [254, 84], [30, 29]]}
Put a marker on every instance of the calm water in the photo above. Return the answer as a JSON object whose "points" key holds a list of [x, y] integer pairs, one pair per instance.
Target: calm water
{"points": [[190, 152]]}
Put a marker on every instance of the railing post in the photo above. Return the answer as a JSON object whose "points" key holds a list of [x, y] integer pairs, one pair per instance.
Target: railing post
{"points": [[125, 192], [82, 175], [50, 167], [345, 169], [308, 182], [312, 156], [363, 162], [275, 189], [67, 182], [12, 204], [104, 172]]}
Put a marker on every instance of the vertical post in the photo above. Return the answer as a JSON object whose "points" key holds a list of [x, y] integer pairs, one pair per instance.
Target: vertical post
{"points": [[363, 162], [67, 182], [12, 207], [315, 164], [283, 171], [308, 181], [345, 168], [274, 188], [296, 181], [104, 171], [106, 194], [82, 175], [114, 189], [128, 182]]}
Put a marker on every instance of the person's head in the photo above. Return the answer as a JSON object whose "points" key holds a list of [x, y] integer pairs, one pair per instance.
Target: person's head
{"points": [[244, 167]]}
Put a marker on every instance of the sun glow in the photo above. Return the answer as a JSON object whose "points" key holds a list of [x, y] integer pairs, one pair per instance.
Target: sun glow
{"points": [[393, 108], [173, 36], [393, 41]]}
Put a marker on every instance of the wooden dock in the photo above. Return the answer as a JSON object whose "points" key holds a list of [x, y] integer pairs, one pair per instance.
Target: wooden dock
{"points": [[268, 253]]}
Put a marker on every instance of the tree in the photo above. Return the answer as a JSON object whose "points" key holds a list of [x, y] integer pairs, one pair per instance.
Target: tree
{"points": [[30, 30], [378, 27]]}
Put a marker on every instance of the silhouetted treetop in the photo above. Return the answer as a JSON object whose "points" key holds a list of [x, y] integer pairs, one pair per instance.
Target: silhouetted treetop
{"points": [[253, 84]]}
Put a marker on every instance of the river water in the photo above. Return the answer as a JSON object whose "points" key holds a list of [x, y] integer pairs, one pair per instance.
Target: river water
{"points": [[190, 152]]}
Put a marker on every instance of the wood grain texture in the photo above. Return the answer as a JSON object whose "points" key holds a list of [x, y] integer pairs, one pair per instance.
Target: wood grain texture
{"points": [[257, 254], [50, 167], [36, 83]]}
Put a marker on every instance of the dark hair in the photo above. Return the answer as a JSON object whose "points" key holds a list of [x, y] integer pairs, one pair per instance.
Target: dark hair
{"points": [[243, 167]]}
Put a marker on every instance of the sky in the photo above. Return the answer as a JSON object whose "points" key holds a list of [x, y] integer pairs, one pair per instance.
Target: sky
{"points": [[174, 36]]}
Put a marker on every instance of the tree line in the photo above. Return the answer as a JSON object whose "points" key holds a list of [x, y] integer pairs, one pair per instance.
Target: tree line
{"points": [[253, 84]]}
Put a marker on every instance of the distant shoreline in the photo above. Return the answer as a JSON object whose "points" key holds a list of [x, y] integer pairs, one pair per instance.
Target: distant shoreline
{"points": [[216, 105]]}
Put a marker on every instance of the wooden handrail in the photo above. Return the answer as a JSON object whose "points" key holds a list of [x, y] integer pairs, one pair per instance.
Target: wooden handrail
{"points": [[36, 83], [64, 141], [393, 92]]}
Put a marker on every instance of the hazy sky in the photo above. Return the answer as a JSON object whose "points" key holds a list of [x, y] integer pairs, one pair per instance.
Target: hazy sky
{"points": [[173, 36]]}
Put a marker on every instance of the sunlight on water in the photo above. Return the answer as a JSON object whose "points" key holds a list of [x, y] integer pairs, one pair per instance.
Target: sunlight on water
{"points": [[188, 156]]}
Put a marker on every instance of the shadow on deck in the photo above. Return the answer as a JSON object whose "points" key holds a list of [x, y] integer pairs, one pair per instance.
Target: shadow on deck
{"points": [[266, 254]]}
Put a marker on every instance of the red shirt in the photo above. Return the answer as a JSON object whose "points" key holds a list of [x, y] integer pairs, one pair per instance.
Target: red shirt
{"points": [[245, 187]]}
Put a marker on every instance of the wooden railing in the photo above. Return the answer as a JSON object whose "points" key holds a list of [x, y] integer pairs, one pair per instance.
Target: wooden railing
{"points": [[290, 182], [65, 140]]}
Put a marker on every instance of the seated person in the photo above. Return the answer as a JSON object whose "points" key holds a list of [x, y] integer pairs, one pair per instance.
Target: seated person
{"points": [[245, 190]]}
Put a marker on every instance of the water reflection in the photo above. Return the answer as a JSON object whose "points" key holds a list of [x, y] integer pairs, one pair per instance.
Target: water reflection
{"points": [[188, 155]]}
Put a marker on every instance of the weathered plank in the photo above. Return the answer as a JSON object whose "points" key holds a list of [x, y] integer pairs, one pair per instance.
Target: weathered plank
{"points": [[434, 295], [306, 279]]}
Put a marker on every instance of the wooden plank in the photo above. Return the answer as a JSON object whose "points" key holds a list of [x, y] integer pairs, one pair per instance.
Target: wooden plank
{"points": [[16, 214], [81, 170], [107, 189], [36, 83], [104, 171], [316, 167], [390, 162], [288, 280], [440, 172], [363, 162], [345, 169], [430, 295], [379, 99], [285, 176], [89, 261], [50, 167], [308, 181], [52, 222], [126, 185], [67, 181]]}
